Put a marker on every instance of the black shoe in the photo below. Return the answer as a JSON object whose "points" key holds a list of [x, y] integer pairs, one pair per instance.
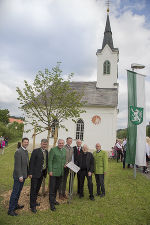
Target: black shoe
{"points": [[56, 203], [81, 196], [53, 208], [97, 194], [37, 204], [102, 195], [12, 213], [33, 210], [19, 207], [91, 198]]}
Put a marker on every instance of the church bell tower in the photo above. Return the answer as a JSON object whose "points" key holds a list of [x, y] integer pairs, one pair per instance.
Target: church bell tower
{"points": [[107, 60]]}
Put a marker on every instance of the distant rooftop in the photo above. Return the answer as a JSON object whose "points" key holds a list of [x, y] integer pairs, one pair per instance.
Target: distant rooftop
{"points": [[11, 120]]}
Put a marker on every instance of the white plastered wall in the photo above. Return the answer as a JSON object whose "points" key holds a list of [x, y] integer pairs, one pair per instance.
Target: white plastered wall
{"points": [[104, 132], [107, 80]]}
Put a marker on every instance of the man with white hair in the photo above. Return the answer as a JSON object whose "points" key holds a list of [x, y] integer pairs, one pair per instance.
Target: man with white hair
{"points": [[100, 167], [56, 164], [85, 161], [69, 153]]}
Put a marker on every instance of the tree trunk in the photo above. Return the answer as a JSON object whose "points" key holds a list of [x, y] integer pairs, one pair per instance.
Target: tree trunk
{"points": [[55, 136], [34, 135], [48, 136]]}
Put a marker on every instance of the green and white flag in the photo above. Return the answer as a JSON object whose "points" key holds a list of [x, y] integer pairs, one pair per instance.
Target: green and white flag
{"points": [[136, 140]]}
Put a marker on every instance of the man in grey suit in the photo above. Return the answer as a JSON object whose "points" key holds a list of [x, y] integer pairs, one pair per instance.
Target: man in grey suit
{"points": [[69, 154], [21, 165]]}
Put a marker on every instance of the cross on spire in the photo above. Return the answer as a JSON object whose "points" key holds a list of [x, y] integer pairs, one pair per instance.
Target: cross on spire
{"points": [[107, 4]]}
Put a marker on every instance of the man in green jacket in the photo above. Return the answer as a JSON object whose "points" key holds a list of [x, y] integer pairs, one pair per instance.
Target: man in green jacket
{"points": [[56, 163], [100, 167]]}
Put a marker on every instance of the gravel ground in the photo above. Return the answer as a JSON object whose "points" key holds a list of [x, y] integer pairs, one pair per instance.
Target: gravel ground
{"points": [[24, 199]]}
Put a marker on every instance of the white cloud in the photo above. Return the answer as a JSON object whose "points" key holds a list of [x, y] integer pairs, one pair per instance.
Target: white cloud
{"points": [[6, 94], [41, 32]]}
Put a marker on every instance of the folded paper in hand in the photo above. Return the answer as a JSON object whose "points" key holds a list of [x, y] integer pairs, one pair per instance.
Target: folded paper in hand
{"points": [[73, 167]]}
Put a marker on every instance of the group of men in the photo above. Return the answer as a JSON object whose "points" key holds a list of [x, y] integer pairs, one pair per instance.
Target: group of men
{"points": [[55, 162]]}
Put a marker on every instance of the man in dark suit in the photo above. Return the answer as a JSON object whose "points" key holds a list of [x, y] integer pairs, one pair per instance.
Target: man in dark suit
{"points": [[77, 150], [86, 163], [37, 170], [20, 174]]}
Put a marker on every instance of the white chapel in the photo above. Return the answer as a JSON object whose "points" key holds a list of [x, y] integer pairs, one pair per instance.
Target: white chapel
{"points": [[99, 123]]}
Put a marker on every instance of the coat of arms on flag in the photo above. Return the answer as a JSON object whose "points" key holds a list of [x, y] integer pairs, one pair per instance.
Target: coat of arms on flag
{"points": [[136, 115]]}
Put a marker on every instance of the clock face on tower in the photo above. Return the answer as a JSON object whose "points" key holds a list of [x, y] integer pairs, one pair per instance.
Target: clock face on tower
{"points": [[96, 120]]}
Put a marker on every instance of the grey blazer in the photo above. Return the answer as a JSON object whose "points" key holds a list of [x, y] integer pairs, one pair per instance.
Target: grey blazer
{"points": [[69, 153], [21, 163]]}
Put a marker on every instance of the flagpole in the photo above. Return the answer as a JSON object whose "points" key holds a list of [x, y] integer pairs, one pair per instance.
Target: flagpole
{"points": [[134, 168]]}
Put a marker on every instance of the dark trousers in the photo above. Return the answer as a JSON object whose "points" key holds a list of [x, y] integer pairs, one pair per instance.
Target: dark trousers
{"points": [[83, 174], [34, 190], [100, 183], [124, 160], [14, 198], [119, 153], [62, 187], [53, 187], [145, 167], [78, 183]]}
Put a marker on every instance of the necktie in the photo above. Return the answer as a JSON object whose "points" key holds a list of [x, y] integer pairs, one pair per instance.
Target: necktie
{"points": [[78, 151]]}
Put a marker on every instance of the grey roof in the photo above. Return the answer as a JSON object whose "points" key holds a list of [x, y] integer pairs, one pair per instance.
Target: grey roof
{"points": [[104, 97], [108, 37]]}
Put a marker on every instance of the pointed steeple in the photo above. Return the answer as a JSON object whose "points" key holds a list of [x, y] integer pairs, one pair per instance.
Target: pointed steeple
{"points": [[108, 35]]}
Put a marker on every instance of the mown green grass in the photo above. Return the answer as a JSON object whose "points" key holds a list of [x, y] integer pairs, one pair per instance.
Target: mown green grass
{"points": [[127, 201]]}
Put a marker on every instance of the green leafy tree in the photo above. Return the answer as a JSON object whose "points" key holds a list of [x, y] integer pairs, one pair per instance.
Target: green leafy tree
{"points": [[122, 133], [13, 131], [16, 128], [50, 101], [4, 116]]}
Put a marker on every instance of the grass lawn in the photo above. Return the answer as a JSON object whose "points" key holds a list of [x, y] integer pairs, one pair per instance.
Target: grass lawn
{"points": [[127, 201]]}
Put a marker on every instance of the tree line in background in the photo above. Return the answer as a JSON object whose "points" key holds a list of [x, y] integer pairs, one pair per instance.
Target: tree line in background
{"points": [[11, 130], [122, 133]]}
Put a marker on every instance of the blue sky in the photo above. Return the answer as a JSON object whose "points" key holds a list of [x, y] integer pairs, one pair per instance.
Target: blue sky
{"points": [[35, 34]]}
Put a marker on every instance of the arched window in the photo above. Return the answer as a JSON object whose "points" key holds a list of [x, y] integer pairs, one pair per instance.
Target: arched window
{"points": [[106, 67], [79, 129]]}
